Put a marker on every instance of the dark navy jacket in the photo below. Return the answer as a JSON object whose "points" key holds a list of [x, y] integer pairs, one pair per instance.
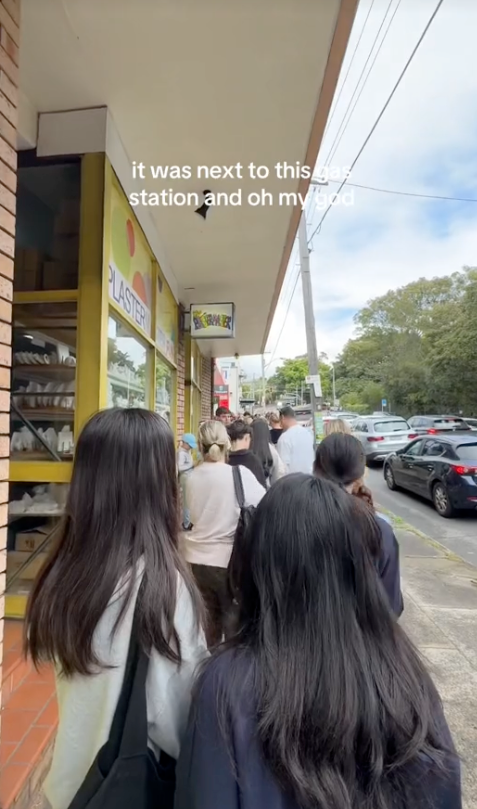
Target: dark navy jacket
{"points": [[388, 566], [212, 775]]}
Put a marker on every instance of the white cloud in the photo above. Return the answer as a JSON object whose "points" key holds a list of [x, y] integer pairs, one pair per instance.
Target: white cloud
{"points": [[425, 143]]}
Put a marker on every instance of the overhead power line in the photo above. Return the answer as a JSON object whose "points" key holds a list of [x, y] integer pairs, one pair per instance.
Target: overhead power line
{"points": [[409, 193], [341, 136], [335, 105], [286, 314], [386, 105]]}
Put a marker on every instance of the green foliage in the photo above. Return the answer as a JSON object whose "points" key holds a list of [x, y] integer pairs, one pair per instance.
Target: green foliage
{"points": [[290, 377], [416, 347]]}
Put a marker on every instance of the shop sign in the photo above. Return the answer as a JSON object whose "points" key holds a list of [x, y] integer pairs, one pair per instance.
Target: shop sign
{"points": [[166, 319], [212, 320], [130, 264]]}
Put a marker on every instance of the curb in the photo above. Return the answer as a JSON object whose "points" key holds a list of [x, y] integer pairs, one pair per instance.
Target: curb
{"points": [[398, 522]]}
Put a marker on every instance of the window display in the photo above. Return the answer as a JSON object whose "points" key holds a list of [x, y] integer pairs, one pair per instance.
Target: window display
{"points": [[43, 381], [127, 367], [165, 391], [48, 224]]}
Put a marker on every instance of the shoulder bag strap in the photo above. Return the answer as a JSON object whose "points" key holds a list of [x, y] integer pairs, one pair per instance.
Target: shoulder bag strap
{"points": [[120, 714], [238, 485]]}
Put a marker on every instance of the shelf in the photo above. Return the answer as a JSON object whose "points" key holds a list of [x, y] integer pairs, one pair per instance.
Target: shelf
{"points": [[46, 414], [20, 515], [38, 455], [41, 370]]}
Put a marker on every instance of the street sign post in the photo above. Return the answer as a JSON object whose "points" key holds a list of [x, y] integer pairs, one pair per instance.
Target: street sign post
{"points": [[315, 380], [384, 403]]}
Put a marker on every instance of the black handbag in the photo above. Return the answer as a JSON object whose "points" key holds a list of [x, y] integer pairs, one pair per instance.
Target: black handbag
{"points": [[242, 533], [126, 774]]}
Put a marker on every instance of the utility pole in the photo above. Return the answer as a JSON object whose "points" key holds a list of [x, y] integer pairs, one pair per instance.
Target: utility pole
{"points": [[312, 351], [334, 384]]}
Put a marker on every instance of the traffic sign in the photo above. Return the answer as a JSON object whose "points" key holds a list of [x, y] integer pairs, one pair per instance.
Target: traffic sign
{"points": [[315, 380], [384, 402]]}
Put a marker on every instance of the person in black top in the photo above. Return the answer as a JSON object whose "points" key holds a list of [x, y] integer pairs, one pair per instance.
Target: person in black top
{"points": [[240, 435], [275, 428], [320, 700], [340, 458]]}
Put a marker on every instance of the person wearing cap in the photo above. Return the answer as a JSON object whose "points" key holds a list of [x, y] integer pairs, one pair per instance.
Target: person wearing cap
{"points": [[185, 465]]}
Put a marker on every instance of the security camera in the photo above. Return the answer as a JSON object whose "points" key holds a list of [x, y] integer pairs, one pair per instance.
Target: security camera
{"points": [[202, 210]]}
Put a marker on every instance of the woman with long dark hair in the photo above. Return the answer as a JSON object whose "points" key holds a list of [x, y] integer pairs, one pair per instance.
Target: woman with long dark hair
{"points": [[340, 458], [320, 701], [272, 465], [116, 558]]}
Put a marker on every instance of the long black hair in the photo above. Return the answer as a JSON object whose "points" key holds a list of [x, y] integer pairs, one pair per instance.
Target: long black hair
{"points": [[340, 458], [261, 445], [344, 706], [122, 508]]}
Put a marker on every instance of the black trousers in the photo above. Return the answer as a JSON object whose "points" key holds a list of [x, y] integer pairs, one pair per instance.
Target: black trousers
{"points": [[213, 585]]}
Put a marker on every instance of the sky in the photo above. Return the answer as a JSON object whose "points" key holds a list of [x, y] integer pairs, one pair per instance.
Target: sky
{"points": [[426, 143]]}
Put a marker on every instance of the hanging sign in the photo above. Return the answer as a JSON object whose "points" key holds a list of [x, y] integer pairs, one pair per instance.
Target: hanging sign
{"points": [[212, 320]]}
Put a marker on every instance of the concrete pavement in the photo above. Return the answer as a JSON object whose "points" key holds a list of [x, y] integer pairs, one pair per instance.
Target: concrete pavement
{"points": [[440, 615]]}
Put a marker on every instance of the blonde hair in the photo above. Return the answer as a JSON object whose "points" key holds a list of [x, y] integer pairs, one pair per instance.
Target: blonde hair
{"points": [[337, 426], [214, 442]]}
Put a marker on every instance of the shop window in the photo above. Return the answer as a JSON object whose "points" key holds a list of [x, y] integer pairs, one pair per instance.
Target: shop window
{"points": [[165, 391], [43, 381], [128, 367], [47, 227], [34, 511]]}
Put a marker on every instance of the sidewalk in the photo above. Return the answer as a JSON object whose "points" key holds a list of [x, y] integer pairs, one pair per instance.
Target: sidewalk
{"points": [[440, 615]]}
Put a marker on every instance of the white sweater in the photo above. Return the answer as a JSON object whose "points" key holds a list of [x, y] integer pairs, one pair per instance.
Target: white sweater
{"points": [[87, 704], [214, 511], [295, 447]]}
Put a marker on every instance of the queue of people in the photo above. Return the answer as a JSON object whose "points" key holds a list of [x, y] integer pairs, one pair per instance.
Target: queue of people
{"points": [[275, 672]]}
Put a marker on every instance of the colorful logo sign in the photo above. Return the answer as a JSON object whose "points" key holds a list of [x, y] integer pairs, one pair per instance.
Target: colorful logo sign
{"points": [[212, 320], [130, 265]]}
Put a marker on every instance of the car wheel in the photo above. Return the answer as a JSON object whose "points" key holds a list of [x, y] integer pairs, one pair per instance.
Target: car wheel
{"points": [[441, 500], [370, 463], [390, 479]]}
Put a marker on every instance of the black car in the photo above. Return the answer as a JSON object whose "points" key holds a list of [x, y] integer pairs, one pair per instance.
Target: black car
{"points": [[431, 425], [442, 468]]}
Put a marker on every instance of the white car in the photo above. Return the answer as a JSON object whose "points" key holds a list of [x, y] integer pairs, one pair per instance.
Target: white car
{"points": [[381, 435]]}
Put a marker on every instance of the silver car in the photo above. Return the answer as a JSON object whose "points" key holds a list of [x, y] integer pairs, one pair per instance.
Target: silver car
{"points": [[381, 435]]}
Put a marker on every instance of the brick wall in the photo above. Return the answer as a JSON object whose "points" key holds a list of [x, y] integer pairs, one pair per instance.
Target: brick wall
{"points": [[207, 376], [181, 364], [9, 47]]}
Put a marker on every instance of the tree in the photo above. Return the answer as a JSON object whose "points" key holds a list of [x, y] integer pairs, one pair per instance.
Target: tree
{"points": [[416, 348], [290, 378]]}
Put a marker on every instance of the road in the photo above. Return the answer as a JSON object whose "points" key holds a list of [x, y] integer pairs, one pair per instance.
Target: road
{"points": [[458, 535]]}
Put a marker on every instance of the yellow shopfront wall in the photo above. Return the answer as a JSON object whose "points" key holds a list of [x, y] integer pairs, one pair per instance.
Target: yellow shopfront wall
{"points": [[95, 325]]}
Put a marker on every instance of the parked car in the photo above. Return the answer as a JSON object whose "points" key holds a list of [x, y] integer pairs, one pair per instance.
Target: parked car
{"points": [[381, 435], [442, 468], [430, 425], [472, 423], [345, 415]]}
